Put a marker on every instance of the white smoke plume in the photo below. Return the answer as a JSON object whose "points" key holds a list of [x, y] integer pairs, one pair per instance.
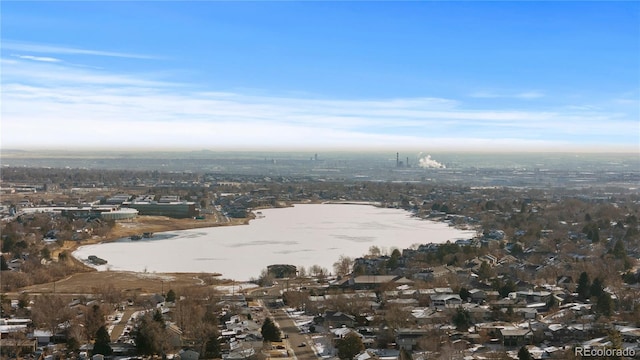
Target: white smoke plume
{"points": [[428, 163]]}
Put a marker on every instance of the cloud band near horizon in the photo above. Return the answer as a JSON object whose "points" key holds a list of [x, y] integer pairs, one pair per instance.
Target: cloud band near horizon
{"points": [[49, 103]]}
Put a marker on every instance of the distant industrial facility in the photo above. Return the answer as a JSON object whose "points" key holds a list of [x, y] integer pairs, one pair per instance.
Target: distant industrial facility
{"points": [[399, 162]]}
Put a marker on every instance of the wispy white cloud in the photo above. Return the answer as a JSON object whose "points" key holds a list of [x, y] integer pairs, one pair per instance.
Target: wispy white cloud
{"points": [[60, 49], [38, 58], [51, 104], [64, 74], [626, 101], [508, 95], [529, 95]]}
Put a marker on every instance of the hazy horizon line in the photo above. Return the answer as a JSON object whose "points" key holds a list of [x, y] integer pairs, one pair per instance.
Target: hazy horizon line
{"points": [[310, 150]]}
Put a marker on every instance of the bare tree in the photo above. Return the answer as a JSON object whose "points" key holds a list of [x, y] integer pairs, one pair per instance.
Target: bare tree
{"points": [[343, 266], [93, 319], [396, 317], [302, 272], [109, 294], [374, 251], [266, 278], [50, 311], [196, 317], [319, 272], [17, 340]]}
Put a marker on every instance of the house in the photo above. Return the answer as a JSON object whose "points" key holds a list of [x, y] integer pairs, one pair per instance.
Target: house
{"points": [[16, 345], [495, 235], [280, 271], [490, 259], [534, 296], [378, 354], [404, 302], [443, 290], [527, 313], [157, 300], [174, 335], [443, 301], [370, 282], [42, 336], [516, 336], [337, 319], [189, 355], [424, 275], [407, 339], [565, 281], [424, 316], [478, 313], [242, 352], [478, 295], [341, 333]]}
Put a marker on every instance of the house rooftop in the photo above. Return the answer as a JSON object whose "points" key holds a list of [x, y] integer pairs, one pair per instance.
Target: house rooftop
{"points": [[515, 332]]}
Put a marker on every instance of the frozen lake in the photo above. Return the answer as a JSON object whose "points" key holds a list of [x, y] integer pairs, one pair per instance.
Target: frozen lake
{"points": [[303, 235]]}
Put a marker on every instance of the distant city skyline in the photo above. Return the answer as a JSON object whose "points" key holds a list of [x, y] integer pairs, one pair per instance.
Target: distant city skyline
{"points": [[312, 76]]}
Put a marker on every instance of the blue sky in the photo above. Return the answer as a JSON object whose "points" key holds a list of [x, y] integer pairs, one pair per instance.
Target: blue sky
{"points": [[498, 76]]}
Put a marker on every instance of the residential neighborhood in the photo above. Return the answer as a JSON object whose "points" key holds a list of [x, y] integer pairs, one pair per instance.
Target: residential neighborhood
{"points": [[549, 274]]}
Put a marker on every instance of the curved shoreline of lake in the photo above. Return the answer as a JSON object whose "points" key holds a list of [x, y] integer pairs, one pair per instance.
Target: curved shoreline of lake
{"points": [[303, 235]]}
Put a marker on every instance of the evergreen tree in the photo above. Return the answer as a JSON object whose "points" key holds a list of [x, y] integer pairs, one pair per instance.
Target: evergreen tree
{"points": [[464, 294], [618, 250], [508, 287], [349, 346], [212, 348], [524, 354], [604, 306], [592, 231], [157, 317], [73, 344], [102, 343], [149, 336], [392, 263], [597, 287], [93, 319], [552, 302], [3, 263], [484, 272], [584, 286], [171, 296], [462, 319], [270, 331]]}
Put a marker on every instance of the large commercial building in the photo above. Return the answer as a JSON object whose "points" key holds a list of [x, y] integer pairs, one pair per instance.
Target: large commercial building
{"points": [[120, 214], [180, 209], [105, 212], [118, 199]]}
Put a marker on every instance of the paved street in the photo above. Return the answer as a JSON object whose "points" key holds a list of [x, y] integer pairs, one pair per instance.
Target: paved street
{"points": [[119, 327], [289, 328]]}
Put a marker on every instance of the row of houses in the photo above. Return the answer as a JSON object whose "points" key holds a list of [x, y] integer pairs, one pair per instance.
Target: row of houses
{"points": [[548, 319]]}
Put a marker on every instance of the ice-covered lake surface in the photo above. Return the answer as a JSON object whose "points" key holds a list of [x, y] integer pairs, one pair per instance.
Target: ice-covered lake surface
{"points": [[303, 235]]}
